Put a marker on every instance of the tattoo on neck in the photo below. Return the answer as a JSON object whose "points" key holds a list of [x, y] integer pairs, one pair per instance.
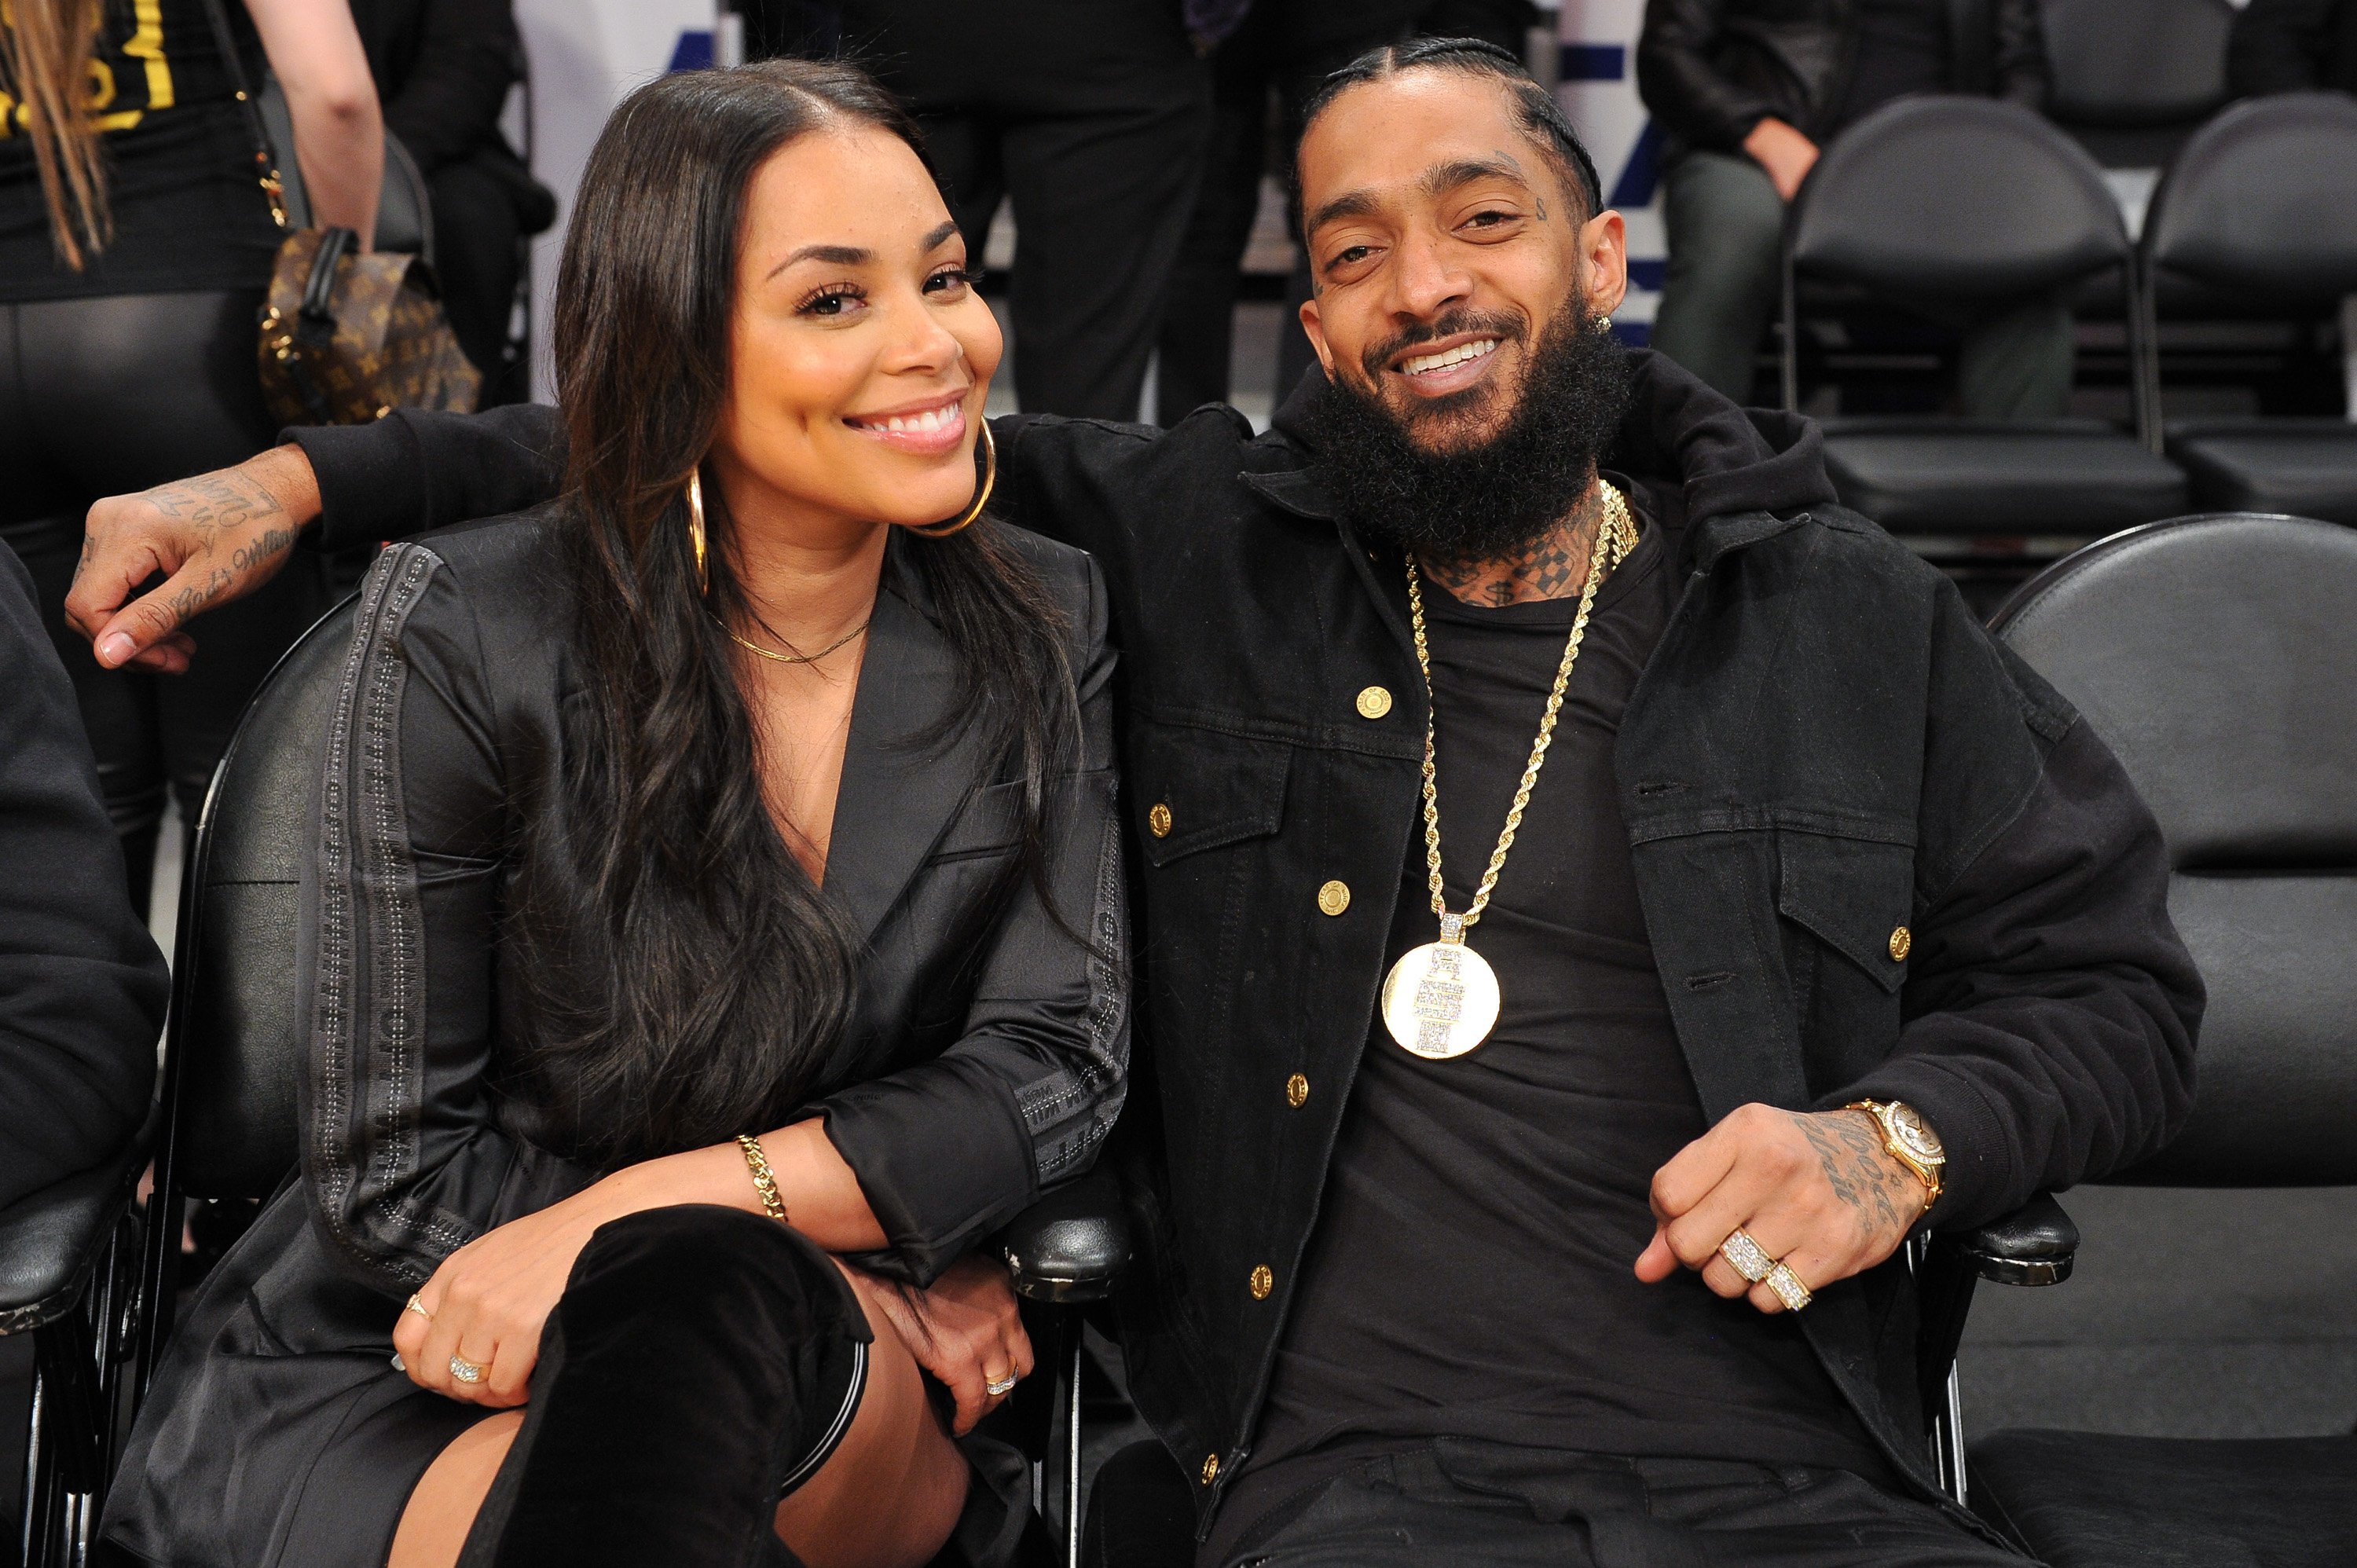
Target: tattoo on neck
{"points": [[1552, 566]]}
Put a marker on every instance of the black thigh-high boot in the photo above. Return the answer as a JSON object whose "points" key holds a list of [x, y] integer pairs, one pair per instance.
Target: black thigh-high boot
{"points": [[698, 1358]]}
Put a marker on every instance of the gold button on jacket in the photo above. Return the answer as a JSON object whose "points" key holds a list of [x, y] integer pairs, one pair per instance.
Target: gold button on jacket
{"points": [[1374, 702], [1334, 898], [1210, 1468], [1158, 821], [1263, 1282], [1902, 943], [1297, 1090]]}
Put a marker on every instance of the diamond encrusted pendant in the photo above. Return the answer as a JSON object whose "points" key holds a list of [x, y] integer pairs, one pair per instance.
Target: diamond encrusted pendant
{"points": [[1441, 1000]]}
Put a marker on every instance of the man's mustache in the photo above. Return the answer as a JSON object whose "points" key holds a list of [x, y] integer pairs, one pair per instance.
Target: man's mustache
{"points": [[1505, 328]]}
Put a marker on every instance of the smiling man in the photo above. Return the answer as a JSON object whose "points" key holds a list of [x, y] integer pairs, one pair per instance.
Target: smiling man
{"points": [[1596, 897]]}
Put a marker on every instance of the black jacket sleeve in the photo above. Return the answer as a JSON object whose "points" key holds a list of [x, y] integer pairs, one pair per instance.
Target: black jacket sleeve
{"points": [[404, 1158], [2050, 1007], [1690, 98], [1029, 1091], [413, 470], [81, 986]]}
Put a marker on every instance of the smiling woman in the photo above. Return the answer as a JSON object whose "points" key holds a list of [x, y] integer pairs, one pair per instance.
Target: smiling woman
{"points": [[716, 931]]}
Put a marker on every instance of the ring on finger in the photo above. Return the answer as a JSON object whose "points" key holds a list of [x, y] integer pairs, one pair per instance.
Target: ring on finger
{"points": [[466, 1371], [995, 1386], [1746, 1257], [418, 1306], [1788, 1288]]}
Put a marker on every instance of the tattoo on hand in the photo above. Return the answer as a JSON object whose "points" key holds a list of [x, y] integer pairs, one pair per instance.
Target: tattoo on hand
{"points": [[1859, 1168], [213, 501]]}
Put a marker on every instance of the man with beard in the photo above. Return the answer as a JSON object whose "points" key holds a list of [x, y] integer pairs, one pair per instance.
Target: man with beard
{"points": [[1535, 1203]]}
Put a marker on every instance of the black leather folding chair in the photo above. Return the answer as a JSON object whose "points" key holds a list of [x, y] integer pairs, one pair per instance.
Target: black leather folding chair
{"points": [[2217, 656], [1939, 200], [238, 1030], [2261, 205], [2133, 77]]}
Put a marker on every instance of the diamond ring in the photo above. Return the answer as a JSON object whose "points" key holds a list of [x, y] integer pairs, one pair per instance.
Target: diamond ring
{"points": [[418, 1307], [1002, 1386], [1745, 1257], [1788, 1288], [466, 1371]]}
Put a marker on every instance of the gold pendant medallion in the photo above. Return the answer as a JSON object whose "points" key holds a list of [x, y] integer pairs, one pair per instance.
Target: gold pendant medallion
{"points": [[1440, 1001]]}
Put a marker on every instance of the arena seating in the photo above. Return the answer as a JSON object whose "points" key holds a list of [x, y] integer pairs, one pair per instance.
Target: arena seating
{"points": [[2214, 654], [2131, 79], [2259, 205], [239, 1029], [1940, 199]]}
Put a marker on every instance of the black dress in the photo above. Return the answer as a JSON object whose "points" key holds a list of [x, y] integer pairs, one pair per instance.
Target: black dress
{"points": [[985, 1061]]}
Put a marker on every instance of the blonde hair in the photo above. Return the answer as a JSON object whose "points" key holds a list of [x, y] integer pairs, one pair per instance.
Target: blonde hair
{"points": [[45, 50]]}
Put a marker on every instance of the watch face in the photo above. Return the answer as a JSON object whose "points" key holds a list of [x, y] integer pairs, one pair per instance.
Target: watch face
{"points": [[1911, 1131]]}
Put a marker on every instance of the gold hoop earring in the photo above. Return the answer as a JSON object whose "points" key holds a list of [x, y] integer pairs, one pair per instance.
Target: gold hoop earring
{"points": [[695, 528], [981, 497]]}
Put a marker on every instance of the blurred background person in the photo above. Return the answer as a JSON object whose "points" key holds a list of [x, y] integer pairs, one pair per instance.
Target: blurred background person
{"points": [[2292, 45], [1747, 93], [136, 247], [1262, 71], [1090, 117], [443, 68]]}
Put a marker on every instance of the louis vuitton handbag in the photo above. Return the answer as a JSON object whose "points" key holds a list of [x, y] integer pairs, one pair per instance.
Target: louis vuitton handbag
{"points": [[345, 337]]}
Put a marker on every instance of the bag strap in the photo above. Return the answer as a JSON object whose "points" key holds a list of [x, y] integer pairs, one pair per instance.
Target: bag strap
{"points": [[266, 165]]}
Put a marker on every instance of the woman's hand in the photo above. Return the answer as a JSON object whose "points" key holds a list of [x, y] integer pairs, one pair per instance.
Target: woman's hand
{"points": [[489, 1300], [965, 1330]]}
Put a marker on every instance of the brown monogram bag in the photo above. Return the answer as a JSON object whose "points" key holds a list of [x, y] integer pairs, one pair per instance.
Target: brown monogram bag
{"points": [[345, 337]]}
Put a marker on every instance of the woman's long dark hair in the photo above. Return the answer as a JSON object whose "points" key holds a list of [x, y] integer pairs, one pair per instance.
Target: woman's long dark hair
{"points": [[685, 979]]}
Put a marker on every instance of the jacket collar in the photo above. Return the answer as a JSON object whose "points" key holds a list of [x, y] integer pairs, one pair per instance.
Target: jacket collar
{"points": [[896, 797]]}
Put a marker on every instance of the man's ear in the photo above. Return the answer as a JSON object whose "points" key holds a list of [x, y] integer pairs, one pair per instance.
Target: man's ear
{"points": [[1310, 324], [1603, 261]]}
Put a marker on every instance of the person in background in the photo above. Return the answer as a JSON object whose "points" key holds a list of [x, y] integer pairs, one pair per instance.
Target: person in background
{"points": [[1287, 46], [1090, 116], [1748, 92], [2292, 45], [82, 985], [444, 67], [135, 246]]}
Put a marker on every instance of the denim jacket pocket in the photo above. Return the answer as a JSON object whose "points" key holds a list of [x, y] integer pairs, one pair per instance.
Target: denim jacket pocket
{"points": [[1856, 895], [1195, 789]]}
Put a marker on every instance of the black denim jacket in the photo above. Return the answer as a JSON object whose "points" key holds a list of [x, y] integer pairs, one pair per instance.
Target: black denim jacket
{"points": [[1825, 747]]}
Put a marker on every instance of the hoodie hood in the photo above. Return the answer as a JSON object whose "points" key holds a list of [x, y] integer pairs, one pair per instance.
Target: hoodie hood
{"points": [[1685, 443]]}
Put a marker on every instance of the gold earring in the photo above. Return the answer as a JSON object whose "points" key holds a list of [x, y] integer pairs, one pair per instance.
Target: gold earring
{"points": [[695, 527], [981, 497], [1604, 324]]}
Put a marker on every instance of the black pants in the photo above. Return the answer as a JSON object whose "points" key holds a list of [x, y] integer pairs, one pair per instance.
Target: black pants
{"points": [[1469, 1502], [1089, 115], [101, 396]]}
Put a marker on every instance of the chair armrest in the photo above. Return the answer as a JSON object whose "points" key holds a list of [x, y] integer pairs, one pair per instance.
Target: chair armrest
{"points": [[51, 1241], [1069, 1246], [2034, 1245]]}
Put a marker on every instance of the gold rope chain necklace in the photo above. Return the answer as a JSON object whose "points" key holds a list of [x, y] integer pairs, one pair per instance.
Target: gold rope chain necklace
{"points": [[788, 657], [1441, 999]]}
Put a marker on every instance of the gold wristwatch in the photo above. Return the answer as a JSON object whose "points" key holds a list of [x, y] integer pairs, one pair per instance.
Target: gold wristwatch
{"points": [[1910, 1141]]}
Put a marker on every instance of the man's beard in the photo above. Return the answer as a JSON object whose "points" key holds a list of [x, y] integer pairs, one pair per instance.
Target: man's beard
{"points": [[1461, 503]]}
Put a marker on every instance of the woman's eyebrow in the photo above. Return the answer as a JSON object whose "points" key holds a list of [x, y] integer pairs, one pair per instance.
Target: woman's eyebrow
{"points": [[940, 236], [832, 256]]}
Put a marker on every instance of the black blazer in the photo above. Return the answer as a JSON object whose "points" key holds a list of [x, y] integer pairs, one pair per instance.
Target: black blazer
{"points": [[985, 1061]]}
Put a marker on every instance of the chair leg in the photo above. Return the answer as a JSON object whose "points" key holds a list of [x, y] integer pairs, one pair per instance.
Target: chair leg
{"points": [[1078, 1350]]}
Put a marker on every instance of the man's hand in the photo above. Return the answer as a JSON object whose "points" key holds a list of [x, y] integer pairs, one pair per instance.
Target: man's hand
{"points": [[215, 537], [1784, 152], [965, 1330], [1817, 1190]]}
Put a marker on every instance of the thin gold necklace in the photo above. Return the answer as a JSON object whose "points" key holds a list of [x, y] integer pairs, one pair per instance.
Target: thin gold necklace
{"points": [[1441, 999], [788, 657]]}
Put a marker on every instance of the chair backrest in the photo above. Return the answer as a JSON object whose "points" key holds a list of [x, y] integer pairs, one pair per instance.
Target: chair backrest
{"points": [[2135, 62], [1953, 198], [2217, 656], [2262, 200], [239, 1020]]}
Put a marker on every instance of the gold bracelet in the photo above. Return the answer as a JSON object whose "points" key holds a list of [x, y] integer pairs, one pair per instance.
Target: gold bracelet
{"points": [[763, 1182]]}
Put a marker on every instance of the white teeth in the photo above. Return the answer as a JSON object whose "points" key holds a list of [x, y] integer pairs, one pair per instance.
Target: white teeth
{"points": [[913, 423], [1442, 360]]}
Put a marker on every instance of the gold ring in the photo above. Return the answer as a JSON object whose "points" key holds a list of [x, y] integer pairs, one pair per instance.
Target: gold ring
{"points": [[466, 1371], [1788, 1288], [1003, 1386], [418, 1306], [1746, 1257]]}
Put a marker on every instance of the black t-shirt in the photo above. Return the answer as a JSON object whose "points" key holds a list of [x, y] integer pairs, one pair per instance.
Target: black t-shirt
{"points": [[1902, 48], [181, 191], [1471, 1271]]}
